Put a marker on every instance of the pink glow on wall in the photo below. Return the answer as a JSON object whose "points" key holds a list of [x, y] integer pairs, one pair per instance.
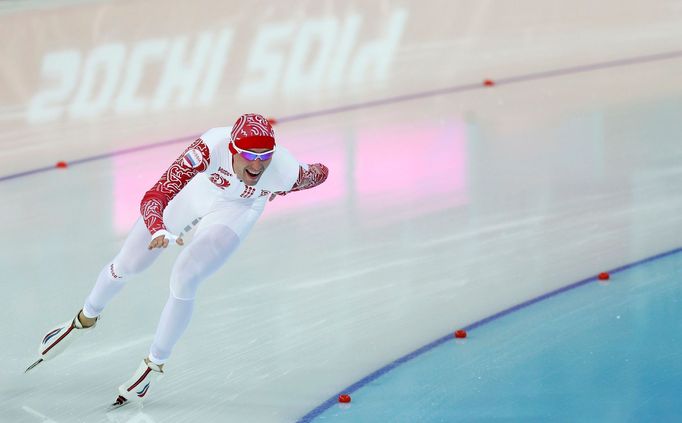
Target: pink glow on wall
{"points": [[422, 162], [330, 151]]}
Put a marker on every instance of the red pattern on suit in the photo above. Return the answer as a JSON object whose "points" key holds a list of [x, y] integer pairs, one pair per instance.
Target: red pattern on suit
{"points": [[314, 176], [175, 178]]}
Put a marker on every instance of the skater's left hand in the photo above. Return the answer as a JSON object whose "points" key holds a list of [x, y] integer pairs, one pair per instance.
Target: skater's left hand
{"points": [[275, 194], [162, 239]]}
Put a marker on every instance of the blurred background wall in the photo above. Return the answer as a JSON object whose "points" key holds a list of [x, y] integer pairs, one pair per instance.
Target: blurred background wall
{"points": [[80, 78]]}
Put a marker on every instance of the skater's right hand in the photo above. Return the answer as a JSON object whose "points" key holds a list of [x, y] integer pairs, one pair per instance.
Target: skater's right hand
{"points": [[162, 239], [276, 193]]}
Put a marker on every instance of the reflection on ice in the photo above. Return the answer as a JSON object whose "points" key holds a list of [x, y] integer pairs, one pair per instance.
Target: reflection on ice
{"points": [[33, 412]]}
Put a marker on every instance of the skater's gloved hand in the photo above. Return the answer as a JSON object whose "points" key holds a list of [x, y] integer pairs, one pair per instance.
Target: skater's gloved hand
{"points": [[160, 239], [276, 193]]}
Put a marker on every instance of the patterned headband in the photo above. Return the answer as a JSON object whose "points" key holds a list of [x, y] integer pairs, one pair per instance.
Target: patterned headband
{"points": [[252, 131]]}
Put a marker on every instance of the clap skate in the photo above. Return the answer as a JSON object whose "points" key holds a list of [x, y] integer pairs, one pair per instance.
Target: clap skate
{"points": [[57, 339], [135, 388]]}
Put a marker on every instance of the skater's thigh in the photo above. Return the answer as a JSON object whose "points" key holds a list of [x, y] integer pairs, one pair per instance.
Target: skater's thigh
{"points": [[207, 252], [239, 216]]}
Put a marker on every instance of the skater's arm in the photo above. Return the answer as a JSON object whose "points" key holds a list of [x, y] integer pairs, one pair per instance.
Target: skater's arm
{"points": [[194, 160], [309, 176]]}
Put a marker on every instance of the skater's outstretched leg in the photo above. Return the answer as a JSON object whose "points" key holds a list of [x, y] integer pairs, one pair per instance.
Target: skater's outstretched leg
{"points": [[133, 258]]}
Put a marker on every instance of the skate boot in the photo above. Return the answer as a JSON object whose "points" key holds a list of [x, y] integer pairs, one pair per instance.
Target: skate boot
{"points": [[135, 388], [57, 339]]}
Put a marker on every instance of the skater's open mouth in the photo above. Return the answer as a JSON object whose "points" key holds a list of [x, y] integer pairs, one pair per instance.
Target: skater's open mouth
{"points": [[253, 174]]}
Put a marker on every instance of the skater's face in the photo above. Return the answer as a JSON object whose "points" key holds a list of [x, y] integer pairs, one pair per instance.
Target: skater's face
{"points": [[250, 171]]}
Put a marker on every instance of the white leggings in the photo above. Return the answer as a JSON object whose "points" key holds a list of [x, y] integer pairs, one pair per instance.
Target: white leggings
{"points": [[211, 247]]}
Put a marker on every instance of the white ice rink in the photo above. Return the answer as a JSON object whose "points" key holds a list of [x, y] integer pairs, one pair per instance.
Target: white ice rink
{"points": [[447, 200]]}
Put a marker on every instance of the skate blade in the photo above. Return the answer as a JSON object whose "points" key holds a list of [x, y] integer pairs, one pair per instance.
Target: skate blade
{"points": [[120, 402], [40, 360]]}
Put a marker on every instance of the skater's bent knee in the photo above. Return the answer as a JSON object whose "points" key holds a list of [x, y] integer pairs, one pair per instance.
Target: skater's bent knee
{"points": [[115, 271], [122, 269], [185, 283]]}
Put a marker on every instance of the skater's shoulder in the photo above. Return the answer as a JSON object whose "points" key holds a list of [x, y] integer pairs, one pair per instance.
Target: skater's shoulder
{"points": [[283, 161], [282, 172], [216, 139]]}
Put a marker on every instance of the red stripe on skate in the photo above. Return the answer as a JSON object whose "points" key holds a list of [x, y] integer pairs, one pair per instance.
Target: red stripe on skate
{"points": [[140, 379], [58, 339]]}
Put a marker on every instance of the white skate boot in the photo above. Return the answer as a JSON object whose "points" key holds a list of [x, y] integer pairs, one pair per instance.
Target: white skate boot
{"points": [[58, 338], [135, 388]]}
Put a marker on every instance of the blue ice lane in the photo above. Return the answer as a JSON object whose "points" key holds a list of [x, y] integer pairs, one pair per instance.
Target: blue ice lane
{"points": [[599, 353]]}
